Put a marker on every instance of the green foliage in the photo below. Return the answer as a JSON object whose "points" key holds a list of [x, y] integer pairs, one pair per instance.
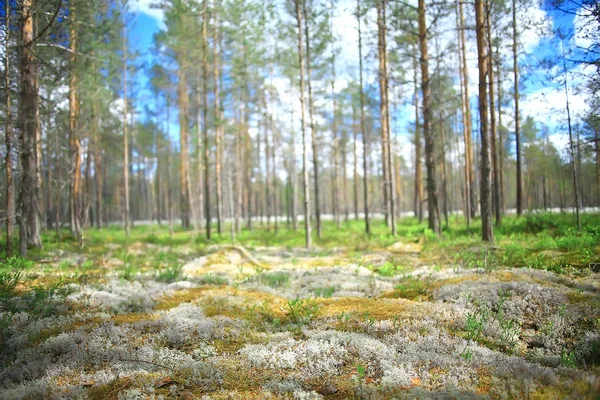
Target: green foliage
{"points": [[15, 263], [568, 359], [212, 279], [129, 272], [411, 287], [275, 279], [170, 274], [324, 291], [302, 311], [8, 283]]}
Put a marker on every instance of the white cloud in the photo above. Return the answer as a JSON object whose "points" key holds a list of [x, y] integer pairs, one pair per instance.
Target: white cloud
{"points": [[145, 7]]}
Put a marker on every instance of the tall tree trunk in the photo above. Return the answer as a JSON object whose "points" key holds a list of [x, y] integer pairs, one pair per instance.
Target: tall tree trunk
{"points": [[354, 161], [184, 172], [29, 194], [8, 135], [273, 174], [597, 151], [362, 124], [313, 129], [98, 165], [497, 207], [158, 177], [336, 149], [169, 197], [500, 146], [432, 200], [487, 228], [218, 123], [294, 178], [238, 170], [125, 136], [303, 127], [205, 118], [418, 200], [574, 168], [383, 109], [389, 144], [75, 148], [517, 117], [467, 109]]}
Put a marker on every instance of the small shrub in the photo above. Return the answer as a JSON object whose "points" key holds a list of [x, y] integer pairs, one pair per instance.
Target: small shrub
{"points": [[212, 279], [170, 274], [302, 311], [16, 263], [275, 279], [325, 291], [8, 283]]}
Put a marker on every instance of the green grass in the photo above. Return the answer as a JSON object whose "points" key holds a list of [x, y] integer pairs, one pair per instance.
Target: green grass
{"points": [[541, 241]]}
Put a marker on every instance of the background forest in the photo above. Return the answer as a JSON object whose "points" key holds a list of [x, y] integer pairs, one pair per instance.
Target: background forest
{"points": [[300, 199], [265, 111]]}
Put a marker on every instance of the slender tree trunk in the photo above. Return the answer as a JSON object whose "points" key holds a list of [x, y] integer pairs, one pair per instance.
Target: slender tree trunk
{"points": [[500, 146], [497, 207], [354, 161], [597, 151], [390, 165], [169, 204], [274, 175], [465, 119], [487, 228], [313, 129], [294, 178], [571, 145], [8, 135], [517, 117], [362, 124], [125, 136], [467, 106], [418, 200], [200, 165], [28, 199], [443, 164], [383, 110], [336, 149], [158, 182], [218, 124], [303, 127], [75, 148], [184, 168], [238, 170], [432, 200], [205, 118]]}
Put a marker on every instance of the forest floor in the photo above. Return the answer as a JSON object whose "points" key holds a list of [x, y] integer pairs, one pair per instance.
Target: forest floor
{"points": [[165, 316]]}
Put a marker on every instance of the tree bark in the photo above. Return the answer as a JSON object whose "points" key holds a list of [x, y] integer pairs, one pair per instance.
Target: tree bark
{"points": [[467, 109], [517, 117], [313, 129], [487, 228], [74, 143], [362, 124], [184, 171], [28, 199], [336, 148], [125, 136], [497, 207], [432, 200], [383, 110], [218, 124], [8, 135], [418, 200], [303, 127], [205, 119]]}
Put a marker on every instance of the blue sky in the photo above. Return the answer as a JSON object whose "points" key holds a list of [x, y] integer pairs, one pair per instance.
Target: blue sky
{"points": [[542, 98]]}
